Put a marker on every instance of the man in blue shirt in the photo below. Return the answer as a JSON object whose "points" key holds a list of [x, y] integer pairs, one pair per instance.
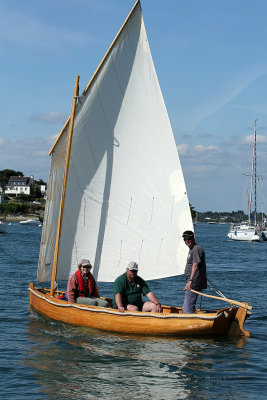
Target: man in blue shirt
{"points": [[128, 289]]}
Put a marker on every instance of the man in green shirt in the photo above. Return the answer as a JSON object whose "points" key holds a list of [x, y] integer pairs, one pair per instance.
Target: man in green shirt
{"points": [[128, 289]]}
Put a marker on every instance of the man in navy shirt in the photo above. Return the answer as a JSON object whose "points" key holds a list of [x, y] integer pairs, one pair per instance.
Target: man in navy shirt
{"points": [[195, 272]]}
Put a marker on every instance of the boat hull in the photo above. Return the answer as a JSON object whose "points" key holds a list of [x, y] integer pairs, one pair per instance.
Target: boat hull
{"points": [[264, 235], [172, 322], [244, 235], [30, 222]]}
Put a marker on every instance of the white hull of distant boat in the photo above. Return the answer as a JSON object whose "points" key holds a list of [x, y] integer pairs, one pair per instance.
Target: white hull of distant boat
{"points": [[2, 227], [30, 222], [245, 233]]}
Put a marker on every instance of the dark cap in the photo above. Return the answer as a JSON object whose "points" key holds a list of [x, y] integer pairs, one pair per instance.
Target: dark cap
{"points": [[188, 235]]}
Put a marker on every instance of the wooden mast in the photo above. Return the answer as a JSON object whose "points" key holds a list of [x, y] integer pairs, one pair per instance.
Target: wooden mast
{"points": [[63, 193]]}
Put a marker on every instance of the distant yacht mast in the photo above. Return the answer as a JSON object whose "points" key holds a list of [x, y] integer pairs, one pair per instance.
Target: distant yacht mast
{"points": [[254, 173]]}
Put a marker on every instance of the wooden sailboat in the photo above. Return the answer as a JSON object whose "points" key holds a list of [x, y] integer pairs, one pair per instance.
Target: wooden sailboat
{"points": [[117, 190]]}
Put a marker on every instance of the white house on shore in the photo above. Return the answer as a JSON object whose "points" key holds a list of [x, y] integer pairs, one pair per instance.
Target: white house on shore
{"points": [[19, 185], [43, 189]]}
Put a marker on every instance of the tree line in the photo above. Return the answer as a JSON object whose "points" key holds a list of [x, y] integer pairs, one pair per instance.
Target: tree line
{"points": [[225, 216], [19, 204]]}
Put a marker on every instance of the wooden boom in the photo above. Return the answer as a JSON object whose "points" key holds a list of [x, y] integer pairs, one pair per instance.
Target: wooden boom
{"points": [[238, 303]]}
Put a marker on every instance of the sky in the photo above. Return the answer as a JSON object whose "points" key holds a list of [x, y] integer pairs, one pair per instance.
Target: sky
{"points": [[211, 61]]}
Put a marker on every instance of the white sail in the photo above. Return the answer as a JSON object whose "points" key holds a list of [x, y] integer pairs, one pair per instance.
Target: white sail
{"points": [[126, 198], [52, 207]]}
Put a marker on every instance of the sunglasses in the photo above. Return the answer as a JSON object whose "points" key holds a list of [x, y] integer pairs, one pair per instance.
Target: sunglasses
{"points": [[187, 240]]}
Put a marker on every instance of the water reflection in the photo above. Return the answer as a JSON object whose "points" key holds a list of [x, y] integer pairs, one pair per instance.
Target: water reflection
{"points": [[77, 362]]}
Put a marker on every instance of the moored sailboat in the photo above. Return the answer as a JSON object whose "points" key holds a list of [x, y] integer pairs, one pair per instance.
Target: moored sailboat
{"points": [[117, 190], [244, 232], [248, 230]]}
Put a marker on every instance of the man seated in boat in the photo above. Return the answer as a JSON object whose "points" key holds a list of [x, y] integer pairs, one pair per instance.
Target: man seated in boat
{"points": [[128, 289], [195, 272], [82, 287]]}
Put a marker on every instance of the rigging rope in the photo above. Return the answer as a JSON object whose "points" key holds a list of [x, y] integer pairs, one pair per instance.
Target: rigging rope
{"points": [[215, 289]]}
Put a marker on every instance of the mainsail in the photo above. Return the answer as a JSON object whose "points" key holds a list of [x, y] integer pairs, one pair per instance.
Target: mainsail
{"points": [[125, 197]]}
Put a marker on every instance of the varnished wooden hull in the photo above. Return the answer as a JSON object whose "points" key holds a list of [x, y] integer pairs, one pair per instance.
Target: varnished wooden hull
{"points": [[172, 322]]}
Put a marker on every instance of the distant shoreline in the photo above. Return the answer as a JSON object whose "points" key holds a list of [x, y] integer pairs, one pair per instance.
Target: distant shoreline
{"points": [[18, 218]]}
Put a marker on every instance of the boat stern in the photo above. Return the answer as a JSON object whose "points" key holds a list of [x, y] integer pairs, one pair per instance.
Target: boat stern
{"points": [[230, 321], [237, 326]]}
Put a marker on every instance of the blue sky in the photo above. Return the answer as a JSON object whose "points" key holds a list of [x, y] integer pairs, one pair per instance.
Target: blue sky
{"points": [[211, 61]]}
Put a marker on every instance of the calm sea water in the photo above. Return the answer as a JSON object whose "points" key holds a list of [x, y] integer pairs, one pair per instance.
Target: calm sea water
{"points": [[42, 359]]}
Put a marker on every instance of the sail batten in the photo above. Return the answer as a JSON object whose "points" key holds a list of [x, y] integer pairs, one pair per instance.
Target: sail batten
{"points": [[125, 197]]}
